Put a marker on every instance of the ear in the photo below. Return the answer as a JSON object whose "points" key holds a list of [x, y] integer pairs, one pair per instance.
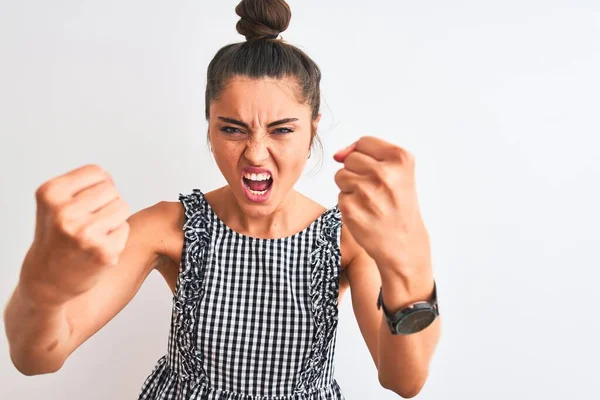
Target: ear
{"points": [[208, 142], [316, 120], [315, 123]]}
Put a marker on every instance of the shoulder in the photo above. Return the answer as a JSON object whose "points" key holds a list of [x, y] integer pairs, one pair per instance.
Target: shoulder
{"points": [[169, 214], [160, 230], [159, 227], [159, 215], [309, 206]]}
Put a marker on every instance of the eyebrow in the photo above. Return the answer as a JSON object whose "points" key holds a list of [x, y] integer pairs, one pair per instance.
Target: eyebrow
{"points": [[245, 125]]}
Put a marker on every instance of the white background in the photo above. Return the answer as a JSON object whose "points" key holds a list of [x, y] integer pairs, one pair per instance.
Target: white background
{"points": [[498, 101]]}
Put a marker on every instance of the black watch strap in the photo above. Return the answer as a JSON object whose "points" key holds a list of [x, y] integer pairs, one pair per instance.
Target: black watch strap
{"points": [[398, 320]]}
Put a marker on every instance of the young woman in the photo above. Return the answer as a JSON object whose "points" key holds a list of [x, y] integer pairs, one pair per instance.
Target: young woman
{"points": [[256, 268]]}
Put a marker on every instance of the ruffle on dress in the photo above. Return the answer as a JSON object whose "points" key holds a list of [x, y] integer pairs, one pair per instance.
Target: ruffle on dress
{"points": [[180, 374]]}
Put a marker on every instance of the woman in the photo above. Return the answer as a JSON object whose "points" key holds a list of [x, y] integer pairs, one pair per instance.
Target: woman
{"points": [[256, 268]]}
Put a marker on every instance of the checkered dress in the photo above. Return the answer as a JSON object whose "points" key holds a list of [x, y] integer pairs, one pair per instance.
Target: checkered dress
{"points": [[252, 318]]}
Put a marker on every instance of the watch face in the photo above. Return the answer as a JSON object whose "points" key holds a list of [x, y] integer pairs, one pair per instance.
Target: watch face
{"points": [[416, 321]]}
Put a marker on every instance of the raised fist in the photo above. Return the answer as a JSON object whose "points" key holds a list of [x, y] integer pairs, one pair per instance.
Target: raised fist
{"points": [[81, 231]]}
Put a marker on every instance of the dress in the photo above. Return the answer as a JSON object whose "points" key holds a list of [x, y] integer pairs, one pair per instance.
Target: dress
{"points": [[252, 318]]}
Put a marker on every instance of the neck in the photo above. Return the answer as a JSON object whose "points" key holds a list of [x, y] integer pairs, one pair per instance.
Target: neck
{"points": [[278, 222]]}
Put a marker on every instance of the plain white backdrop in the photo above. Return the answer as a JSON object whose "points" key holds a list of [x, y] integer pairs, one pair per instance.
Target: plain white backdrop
{"points": [[498, 101]]}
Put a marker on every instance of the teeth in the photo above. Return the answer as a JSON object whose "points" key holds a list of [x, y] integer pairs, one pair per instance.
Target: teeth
{"points": [[257, 177], [256, 192]]}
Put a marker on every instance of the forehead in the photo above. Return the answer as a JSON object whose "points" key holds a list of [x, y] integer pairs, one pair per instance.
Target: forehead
{"points": [[247, 98]]}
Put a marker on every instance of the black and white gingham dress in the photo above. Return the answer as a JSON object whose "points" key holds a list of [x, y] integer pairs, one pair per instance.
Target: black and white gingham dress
{"points": [[252, 318]]}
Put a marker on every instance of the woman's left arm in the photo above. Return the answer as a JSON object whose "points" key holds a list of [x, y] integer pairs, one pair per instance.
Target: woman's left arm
{"points": [[380, 212], [402, 361]]}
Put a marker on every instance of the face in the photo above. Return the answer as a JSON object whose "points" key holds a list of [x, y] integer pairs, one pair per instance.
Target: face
{"points": [[260, 136]]}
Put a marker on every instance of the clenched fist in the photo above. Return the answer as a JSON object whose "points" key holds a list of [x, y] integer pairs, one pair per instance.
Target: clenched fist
{"points": [[378, 201], [81, 230]]}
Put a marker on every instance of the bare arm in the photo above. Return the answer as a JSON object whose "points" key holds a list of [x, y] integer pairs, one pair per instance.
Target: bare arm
{"points": [[43, 333], [402, 361], [42, 336]]}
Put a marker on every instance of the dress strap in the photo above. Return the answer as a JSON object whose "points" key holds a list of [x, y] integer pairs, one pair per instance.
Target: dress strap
{"points": [[184, 357], [323, 291], [332, 224]]}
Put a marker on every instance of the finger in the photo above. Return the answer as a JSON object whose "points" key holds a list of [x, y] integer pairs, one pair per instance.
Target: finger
{"points": [[348, 204], [361, 164], [343, 153], [111, 216], [83, 177], [374, 147], [381, 150], [348, 181], [107, 249], [95, 197], [62, 188], [117, 240]]}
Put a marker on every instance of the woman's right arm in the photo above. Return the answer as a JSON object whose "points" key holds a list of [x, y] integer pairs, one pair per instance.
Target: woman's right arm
{"points": [[87, 261]]}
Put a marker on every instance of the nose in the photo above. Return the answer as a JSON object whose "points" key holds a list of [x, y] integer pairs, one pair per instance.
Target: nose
{"points": [[256, 152]]}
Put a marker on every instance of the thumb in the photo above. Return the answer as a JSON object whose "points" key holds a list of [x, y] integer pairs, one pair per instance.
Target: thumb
{"points": [[341, 155]]}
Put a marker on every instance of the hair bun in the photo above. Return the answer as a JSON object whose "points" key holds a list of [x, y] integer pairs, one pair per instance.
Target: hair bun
{"points": [[262, 18]]}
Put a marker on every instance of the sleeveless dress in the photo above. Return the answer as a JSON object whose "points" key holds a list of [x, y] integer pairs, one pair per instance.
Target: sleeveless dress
{"points": [[252, 318]]}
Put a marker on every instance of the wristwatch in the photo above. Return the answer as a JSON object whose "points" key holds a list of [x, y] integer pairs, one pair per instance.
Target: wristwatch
{"points": [[412, 318]]}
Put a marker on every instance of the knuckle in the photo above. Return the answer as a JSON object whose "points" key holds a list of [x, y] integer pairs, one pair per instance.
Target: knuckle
{"points": [[339, 175], [369, 202], [402, 155], [95, 168], [45, 193], [116, 201], [65, 220], [363, 140], [126, 230], [108, 191], [121, 213], [344, 207], [397, 153], [351, 158], [124, 206], [120, 235], [105, 187], [110, 178], [379, 174], [363, 192], [87, 239]]}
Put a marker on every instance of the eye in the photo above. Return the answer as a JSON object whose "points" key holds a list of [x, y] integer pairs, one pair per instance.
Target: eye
{"points": [[230, 130], [282, 131]]}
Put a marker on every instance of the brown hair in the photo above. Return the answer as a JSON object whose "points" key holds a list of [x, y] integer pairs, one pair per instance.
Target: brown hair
{"points": [[263, 55]]}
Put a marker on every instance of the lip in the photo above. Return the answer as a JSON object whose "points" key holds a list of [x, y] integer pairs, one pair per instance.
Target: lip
{"points": [[254, 198], [256, 170]]}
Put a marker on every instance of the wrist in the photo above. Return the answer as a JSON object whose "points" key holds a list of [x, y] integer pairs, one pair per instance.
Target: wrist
{"points": [[35, 287], [400, 291], [35, 295]]}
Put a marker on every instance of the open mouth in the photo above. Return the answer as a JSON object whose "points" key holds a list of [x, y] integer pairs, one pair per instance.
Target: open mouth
{"points": [[258, 184]]}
